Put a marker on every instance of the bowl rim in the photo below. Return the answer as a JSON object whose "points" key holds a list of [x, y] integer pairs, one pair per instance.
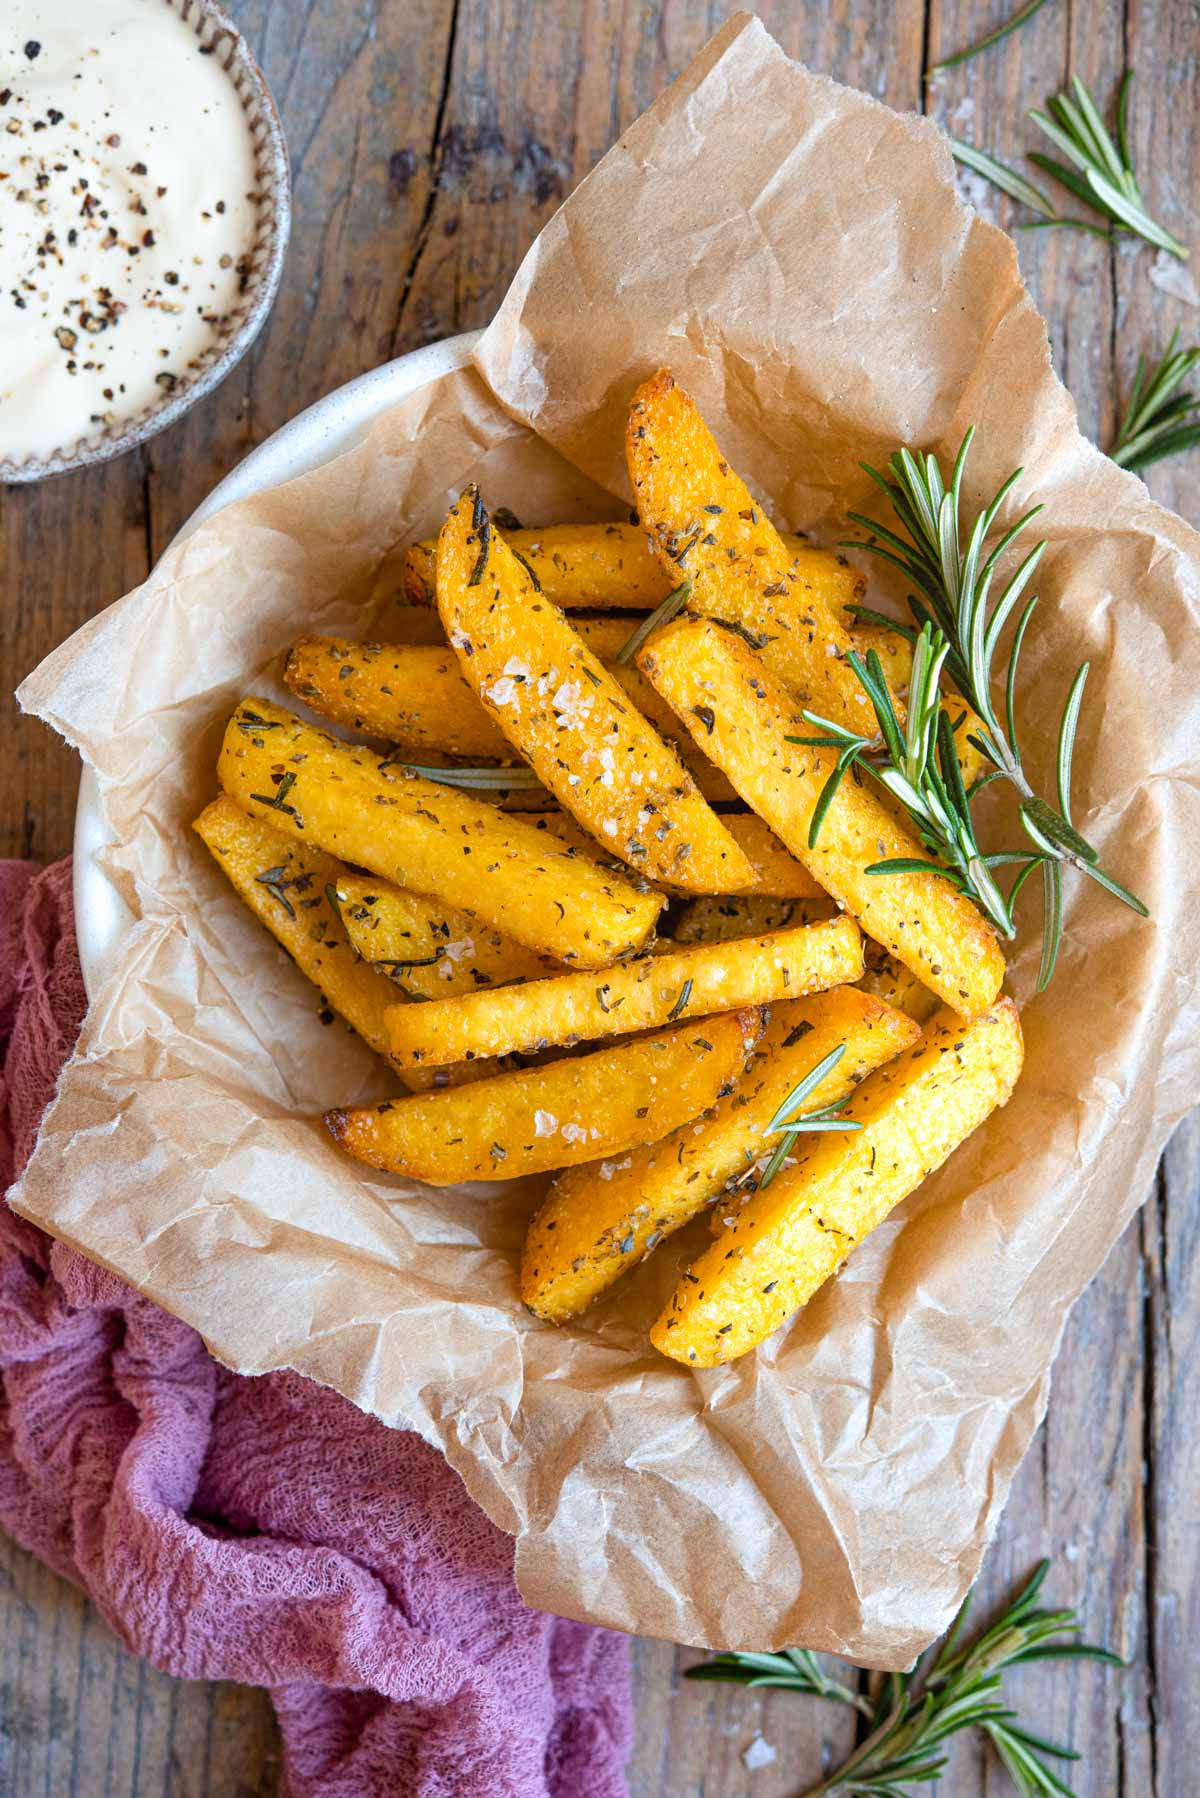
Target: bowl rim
{"points": [[324, 430], [147, 424]]}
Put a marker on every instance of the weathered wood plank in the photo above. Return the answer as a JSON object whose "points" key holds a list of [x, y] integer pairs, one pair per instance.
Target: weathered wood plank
{"points": [[80, 1717]]}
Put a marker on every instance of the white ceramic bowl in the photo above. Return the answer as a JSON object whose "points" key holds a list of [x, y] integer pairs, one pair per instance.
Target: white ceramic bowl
{"points": [[224, 42], [336, 423]]}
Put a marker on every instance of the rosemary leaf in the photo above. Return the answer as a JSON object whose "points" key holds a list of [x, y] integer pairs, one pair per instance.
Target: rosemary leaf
{"points": [[662, 614], [1106, 182], [960, 628], [993, 37], [485, 779], [787, 1125], [1001, 176], [1157, 421]]}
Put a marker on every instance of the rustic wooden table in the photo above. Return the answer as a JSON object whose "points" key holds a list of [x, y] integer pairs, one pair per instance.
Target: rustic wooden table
{"points": [[430, 141]]}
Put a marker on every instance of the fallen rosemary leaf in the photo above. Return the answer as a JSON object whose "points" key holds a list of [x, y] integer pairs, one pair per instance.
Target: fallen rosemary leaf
{"points": [[662, 614], [993, 37], [499, 779]]}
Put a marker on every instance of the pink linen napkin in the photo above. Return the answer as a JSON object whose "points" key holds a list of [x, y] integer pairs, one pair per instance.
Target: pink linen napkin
{"points": [[263, 1530]]}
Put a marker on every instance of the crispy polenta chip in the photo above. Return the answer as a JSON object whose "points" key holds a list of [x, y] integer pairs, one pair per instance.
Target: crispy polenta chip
{"points": [[571, 721], [638, 995], [747, 719], [777, 873], [428, 949], [787, 1240], [602, 1218], [415, 695], [890, 980], [555, 1115], [722, 919], [610, 567], [411, 695], [287, 885], [432, 839], [707, 528], [291, 887]]}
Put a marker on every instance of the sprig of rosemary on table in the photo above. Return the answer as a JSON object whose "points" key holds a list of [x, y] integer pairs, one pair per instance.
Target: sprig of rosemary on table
{"points": [[1105, 180], [916, 1713], [993, 37], [1099, 170], [1158, 421], [959, 627], [788, 1126]]}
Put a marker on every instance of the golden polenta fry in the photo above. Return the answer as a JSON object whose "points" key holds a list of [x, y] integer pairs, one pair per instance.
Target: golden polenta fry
{"points": [[554, 1115], [717, 919], [291, 887], [721, 689], [571, 721], [417, 697], [600, 1219], [891, 981], [598, 567], [414, 696], [777, 873], [432, 839], [427, 949], [638, 995], [789, 1238], [708, 529], [287, 886]]}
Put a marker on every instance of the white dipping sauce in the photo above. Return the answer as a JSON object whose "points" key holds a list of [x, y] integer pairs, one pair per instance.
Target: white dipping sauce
{"points": [[126, 213]]}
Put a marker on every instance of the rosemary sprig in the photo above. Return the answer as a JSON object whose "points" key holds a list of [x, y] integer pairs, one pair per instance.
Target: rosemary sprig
{"points": [[952, 582], [916, 1713], [1158, 421], [1001, 176], [993, 37], [787, 1126], [1106, 181], [919, 766], [664, 611], [1098, 171]]}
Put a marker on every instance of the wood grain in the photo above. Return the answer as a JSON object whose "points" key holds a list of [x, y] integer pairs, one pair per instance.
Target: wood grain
{"points": [[430, 141]]}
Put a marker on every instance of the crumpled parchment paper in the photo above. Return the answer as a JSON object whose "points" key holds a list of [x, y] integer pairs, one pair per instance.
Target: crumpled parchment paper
{"points": [[818, 286]]}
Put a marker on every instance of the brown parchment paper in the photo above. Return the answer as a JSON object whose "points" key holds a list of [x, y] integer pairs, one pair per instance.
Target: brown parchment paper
{"points": [[797, 253]]}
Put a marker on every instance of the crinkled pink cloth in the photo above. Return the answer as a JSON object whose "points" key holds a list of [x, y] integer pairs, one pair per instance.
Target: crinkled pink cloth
{"points": [[263, 1529]]}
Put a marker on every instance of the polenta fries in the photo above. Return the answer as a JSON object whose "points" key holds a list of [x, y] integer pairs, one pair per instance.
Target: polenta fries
{"points": [[639, 995], [708, 530], [749, 725], [607, 911], [601, 1219], [434, 839], [789, 1238], [611, 567], [567, 716], [556, 1115]]}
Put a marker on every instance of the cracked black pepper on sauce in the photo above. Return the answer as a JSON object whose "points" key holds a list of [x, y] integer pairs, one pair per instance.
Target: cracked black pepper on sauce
{"points": [[127, 215]]}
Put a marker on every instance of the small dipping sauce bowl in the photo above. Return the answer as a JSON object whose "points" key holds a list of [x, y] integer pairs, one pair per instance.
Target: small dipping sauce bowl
{"points": [[259, 263]]}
